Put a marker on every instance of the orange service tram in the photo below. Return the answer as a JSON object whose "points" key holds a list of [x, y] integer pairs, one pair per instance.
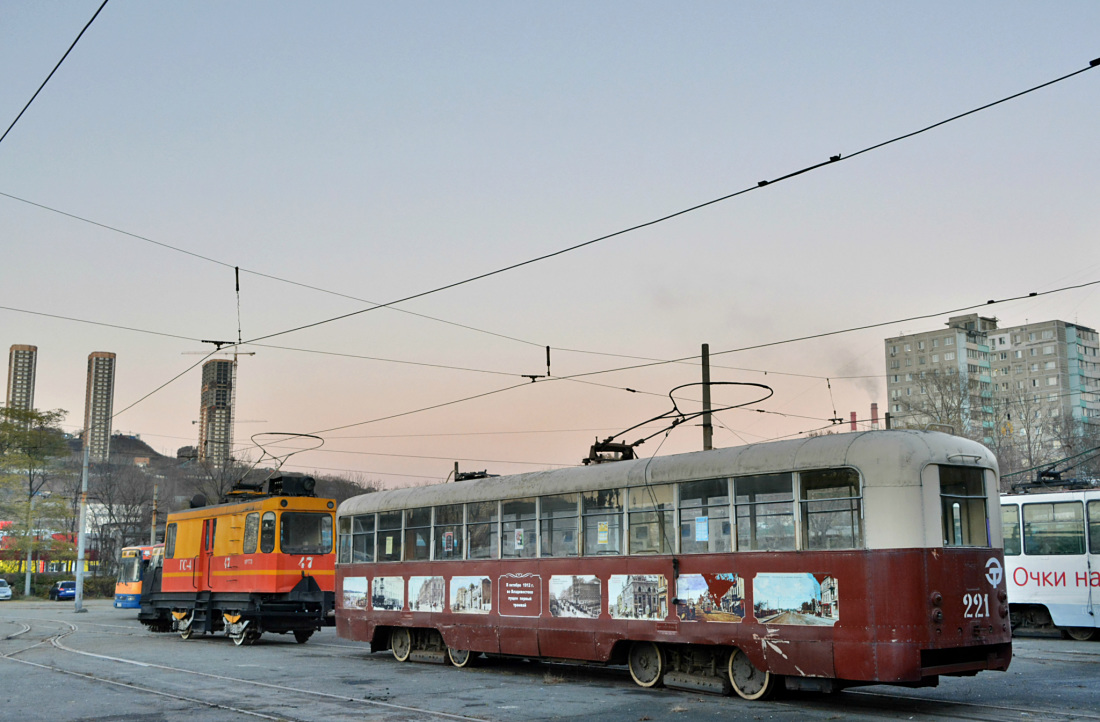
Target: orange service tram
{"points": [[261, 561], [820, 563]]}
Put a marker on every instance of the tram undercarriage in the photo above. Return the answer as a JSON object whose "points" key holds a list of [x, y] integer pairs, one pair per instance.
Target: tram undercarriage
{"points": [[244, 616]]}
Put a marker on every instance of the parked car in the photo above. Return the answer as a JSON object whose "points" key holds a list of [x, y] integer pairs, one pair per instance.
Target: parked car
{"points": [[5, 590], [63, 590]]}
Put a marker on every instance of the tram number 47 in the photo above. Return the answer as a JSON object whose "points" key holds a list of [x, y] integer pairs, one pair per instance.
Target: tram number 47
{"points": [[977, 606], [307, 563]]}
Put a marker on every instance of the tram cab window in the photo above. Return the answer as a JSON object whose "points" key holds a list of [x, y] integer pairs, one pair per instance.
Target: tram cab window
{"points": [[962, 502], [602, 512], [251, 533], [306, 533], [830, 509], [362, 538], [418, 532], [343, 549], [267, 532], [705, 516], [389, 536], [448, 532], [650, 522], [765, 512], [170, 541], [1054, 529], [481, 530], [560, 525], [518, 529], [1094, 526], [1010, 522]]}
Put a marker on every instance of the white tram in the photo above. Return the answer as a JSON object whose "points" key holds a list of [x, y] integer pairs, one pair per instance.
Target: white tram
{"points": [[1052, 558]]}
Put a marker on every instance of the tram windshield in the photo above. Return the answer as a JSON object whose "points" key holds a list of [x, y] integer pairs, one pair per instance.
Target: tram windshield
{"points": [[306, 533], [130, 569]]}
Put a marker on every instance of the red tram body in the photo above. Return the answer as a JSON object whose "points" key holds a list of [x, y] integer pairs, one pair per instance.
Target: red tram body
{"points": [[258, 562], [827, 562]]}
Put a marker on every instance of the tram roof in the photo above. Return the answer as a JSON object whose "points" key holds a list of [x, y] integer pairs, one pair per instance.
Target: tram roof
{"points": [[872, 453]]}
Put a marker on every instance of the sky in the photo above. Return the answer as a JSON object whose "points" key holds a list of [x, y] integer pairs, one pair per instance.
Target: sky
{"points": [[345, 154]]}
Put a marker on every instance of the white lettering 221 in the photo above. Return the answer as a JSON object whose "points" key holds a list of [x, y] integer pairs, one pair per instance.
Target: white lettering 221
{"points": [[977, 605]]}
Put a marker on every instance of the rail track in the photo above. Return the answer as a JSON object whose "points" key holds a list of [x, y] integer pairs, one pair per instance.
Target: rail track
{"points": [[60, 646]]}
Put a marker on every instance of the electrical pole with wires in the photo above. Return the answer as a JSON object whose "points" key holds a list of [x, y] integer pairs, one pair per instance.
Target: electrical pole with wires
{"points": [[708, 428]]}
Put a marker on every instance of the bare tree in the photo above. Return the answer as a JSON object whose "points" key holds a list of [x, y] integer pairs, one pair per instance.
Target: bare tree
{"points": [[944, 398]]}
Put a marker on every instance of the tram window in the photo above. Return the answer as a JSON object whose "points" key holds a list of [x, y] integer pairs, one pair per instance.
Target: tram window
{"points": [[705, 516], [306, 533], [1094, 527], [518, 517], [650, 520], [830, 509], [267, 532], [418, 531], [448, 532], [1010, 522], [560, 528], [603, 521], [481, 530], [389, 536], [362, 539], [251, 533], [765, 511], [343, 554], [962, 504], [170, 541], [1055, 529]]}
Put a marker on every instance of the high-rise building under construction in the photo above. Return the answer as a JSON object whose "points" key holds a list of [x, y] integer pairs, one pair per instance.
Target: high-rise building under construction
{"points": [[99, 402], [216, 412], [21, 365]]}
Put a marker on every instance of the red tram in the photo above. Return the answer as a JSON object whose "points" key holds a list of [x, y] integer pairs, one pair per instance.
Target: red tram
{"points": [[820, 563], [261, 561]]}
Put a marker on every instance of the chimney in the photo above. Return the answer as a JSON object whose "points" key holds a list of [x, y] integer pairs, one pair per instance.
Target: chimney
{"points": [[853, 417], [874, 416]]}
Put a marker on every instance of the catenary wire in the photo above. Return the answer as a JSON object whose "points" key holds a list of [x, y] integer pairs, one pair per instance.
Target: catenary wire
{"points": [[59, 62], [646, 224]]}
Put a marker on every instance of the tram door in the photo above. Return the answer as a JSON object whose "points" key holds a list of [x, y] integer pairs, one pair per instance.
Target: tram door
{"points": [[209, 527]]}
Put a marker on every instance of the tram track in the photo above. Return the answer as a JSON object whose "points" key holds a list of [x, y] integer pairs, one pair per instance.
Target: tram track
{"points": [[55, 640]]}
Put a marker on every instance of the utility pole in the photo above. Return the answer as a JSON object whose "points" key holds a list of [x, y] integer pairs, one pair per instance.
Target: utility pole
{"points": [[708, 430], [153, 526], [78, 601]]}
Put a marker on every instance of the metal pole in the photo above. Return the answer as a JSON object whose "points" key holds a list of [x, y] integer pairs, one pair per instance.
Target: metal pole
{"points": [[78, 601], [708, 430], [30, 547], [153, 526]]}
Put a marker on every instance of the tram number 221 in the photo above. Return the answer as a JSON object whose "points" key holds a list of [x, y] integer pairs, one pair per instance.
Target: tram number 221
{"points": [[977, 606]]}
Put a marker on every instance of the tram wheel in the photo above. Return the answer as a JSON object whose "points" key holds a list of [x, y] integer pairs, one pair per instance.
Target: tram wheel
{"points": [[646, 663], [749, 682], [460, 657], [246, 638], [1080, 634], [401, 644], [301, 636]]}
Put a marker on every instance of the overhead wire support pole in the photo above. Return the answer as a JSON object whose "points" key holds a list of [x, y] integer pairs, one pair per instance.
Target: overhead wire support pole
{"points": [[708, 428], [78, 600]]}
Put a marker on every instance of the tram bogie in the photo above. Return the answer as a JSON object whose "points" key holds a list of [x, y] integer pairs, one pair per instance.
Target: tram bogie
{"points": [[259, 562], [816, 564]]}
